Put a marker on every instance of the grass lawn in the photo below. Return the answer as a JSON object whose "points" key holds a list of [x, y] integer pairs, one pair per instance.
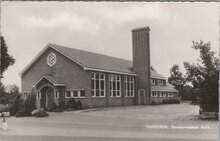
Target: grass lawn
{"points": [[183, 111]]}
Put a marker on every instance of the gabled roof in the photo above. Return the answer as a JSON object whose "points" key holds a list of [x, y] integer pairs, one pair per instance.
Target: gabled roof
{"points": [[51, 79], [168, 87], [92, 61], [156, 75]]}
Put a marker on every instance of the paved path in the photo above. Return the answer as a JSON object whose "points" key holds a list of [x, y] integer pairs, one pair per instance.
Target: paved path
{"points": [[99, 126]]}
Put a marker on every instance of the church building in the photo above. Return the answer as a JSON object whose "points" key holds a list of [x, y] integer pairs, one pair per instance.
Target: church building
{"points": [[59, 73]]}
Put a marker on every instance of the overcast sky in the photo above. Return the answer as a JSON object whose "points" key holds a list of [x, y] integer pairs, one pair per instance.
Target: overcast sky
{"points": [[105, 27]]}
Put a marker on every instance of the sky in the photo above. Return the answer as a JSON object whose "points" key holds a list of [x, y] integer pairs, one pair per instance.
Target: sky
{"points": [[105, 28]]}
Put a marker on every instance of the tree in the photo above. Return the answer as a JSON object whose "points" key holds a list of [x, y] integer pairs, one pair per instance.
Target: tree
{"points": [[152, 68], [12, 89], [2, 90], [204, 76], [6, 59], [177, 79]]}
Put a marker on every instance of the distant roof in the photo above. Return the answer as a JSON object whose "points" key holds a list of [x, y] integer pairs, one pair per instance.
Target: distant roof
{"points": [[168, 87], [93, 61], [156, 75]]}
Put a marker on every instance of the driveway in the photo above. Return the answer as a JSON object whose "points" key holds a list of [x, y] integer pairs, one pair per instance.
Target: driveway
{"points": [[177, 122]]}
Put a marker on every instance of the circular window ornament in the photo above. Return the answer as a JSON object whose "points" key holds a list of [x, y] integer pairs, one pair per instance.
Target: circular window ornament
{"points": [[51, 59]]}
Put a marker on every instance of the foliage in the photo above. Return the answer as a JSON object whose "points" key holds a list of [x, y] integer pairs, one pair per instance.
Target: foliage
{"points": [[6, 59], [176, 78], [12, 89], [186, 92], [153, 69], [2, 90], [41, 113], [57, 108], [30, 104], [154, 103], [21, 113], [171, 101], [73, 105], [16, 105], [204, 76]]}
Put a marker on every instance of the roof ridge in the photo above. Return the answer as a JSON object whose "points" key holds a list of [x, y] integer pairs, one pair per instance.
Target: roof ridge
{"points": [[88, 51]]}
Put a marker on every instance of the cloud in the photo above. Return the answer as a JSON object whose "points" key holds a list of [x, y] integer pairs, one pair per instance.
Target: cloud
{"points": [[70, 20], [140, 11]]}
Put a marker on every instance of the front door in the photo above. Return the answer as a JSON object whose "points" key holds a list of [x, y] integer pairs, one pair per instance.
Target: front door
{"points": [[49, 98], [141, 97]]}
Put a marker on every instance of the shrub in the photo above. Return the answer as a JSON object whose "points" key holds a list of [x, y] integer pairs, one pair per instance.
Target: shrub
{"points": [[30, 104], [27, 107], [41, 113], [73, 105], [154, 103], [171, 101], [21, 113], [16, 104], [79, 104]]}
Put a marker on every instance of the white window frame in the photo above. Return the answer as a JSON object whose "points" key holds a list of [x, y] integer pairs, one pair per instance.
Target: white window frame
{"points": [[94, 90], [170, 94], [129, 80], [56, 94], [66, 94], [113, 79], [153, 81], [79, 93], [162, 94], [72, 95], [160, 82], [154, 94], [38, 95]]}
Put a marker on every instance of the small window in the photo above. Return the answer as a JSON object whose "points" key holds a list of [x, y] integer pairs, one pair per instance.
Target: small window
{"points": [[68, 94], [160, 82], [82, 93], [170, 94], [154, 94], [162, 94], [75, 93], [153, 81]]}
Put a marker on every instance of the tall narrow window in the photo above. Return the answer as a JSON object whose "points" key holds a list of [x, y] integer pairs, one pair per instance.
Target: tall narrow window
{"points": [[98, 85], [56, 94], [38, 95], [115, 85], [129, 86]]}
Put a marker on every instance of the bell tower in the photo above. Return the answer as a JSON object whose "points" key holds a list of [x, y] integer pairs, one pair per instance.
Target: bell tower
{"points": [[141, 63]]}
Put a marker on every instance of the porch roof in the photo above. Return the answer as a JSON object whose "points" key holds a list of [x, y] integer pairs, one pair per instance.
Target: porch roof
{"points": [[51, 79]]}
